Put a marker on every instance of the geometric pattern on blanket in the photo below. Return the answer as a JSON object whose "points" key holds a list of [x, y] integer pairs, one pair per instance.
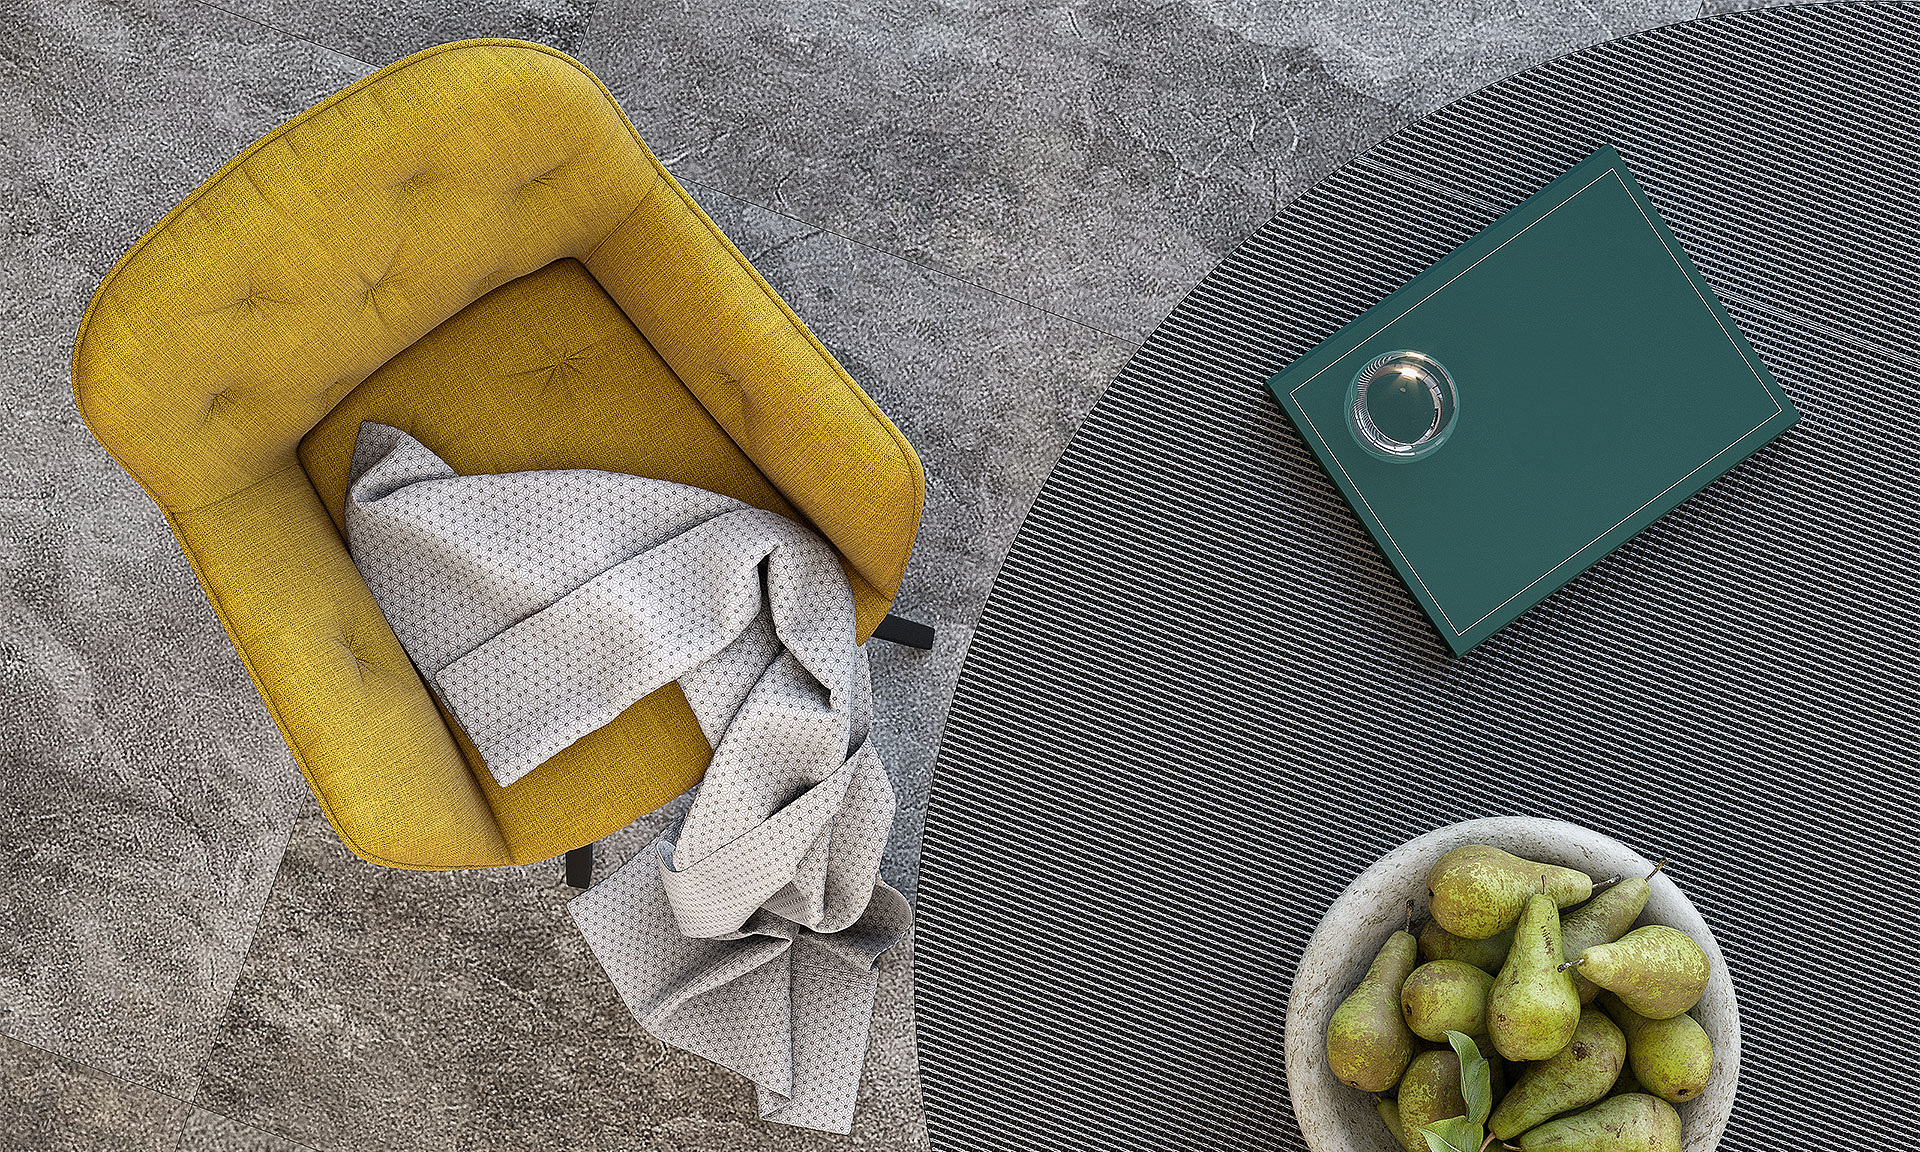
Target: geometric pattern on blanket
{"points": [[540, 605]]}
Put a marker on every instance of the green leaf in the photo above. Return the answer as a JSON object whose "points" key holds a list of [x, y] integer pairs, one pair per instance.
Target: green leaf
{"points": [[1476, 1077], [1454, 1134]]}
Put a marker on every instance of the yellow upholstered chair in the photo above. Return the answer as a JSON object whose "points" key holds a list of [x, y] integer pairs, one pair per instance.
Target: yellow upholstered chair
{"points": [[474, 246]]}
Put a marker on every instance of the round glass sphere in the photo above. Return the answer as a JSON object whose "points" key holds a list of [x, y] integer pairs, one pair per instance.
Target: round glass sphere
{"points": [[1402, 406]]}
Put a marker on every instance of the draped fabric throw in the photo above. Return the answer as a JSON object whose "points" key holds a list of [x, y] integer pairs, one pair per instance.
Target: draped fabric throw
{"points": [[539, 606]]}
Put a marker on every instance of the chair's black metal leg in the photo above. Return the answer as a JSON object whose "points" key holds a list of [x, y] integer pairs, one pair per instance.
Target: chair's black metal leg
{"points": [[580, 867], [900, 630]]}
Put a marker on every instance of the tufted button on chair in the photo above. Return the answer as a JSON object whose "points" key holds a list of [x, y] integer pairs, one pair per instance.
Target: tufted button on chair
{"points": [[474, 246]]}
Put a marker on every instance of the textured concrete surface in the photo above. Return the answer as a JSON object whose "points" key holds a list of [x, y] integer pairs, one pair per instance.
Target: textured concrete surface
{"points": [[50, 1104], [977, 205], [1094, 159], [449, 1011], [380, 33], [211, 1132], [144, 797]]}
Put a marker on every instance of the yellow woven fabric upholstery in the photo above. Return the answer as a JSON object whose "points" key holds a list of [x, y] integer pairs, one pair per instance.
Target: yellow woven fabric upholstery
{"points": [[473, 245]]}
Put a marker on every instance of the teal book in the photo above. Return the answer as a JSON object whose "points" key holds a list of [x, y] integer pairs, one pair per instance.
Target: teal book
{"points": [[1533, 400]]}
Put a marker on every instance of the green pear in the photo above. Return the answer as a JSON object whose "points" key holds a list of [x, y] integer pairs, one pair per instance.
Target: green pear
{"points": [[1657, 971], [1532, 1008], [1477, 891], [1628, 1082], [1430, 1090], [1574, 1077], [1436, 943], [1390, 1115], [1672, 1058], [1602, 920], [1632, 1123], [1368, 1044], [1445, 995]]}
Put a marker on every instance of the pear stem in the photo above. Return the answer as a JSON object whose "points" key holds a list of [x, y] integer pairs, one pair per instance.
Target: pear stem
{"points": [[1410, 908], [1573, 963], [1658, 867], [1490, 1139], [1609, 882]]}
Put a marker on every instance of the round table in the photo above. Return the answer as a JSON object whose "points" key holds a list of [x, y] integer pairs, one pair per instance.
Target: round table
{"points": [[1199, 701]]}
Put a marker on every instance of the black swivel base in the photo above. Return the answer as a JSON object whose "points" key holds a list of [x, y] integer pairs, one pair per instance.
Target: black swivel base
{"points": [[580, 867], [900, 630]]}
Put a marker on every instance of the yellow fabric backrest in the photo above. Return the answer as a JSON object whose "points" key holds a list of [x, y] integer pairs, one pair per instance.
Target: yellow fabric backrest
{"points": [[788, 404], [267, 295], [318, 253]]}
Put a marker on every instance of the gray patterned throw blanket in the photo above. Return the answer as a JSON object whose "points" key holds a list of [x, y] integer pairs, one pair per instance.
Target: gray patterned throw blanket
{"points": [[540, 605]]}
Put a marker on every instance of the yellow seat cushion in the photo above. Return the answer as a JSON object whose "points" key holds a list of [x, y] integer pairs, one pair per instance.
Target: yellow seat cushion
{"points": [[548, 372], [472, 244]]}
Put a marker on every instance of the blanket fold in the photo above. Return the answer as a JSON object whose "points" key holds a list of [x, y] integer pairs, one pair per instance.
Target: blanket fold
{"points": [[539, 606]]}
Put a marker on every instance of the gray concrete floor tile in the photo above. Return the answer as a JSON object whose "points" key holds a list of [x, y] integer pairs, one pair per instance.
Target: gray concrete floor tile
{"points": [[425, 1011], [144, 793], [50, 1104], [211, 1132], [977, 205], [1093, 158], [126, 105], [382, 31]]}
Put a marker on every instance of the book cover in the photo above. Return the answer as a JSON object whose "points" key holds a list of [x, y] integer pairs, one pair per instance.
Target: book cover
{"points": [[1533, 400]]}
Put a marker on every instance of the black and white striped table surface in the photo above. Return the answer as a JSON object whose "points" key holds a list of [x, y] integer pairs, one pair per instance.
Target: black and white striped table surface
{"points": [[1199, 700]]}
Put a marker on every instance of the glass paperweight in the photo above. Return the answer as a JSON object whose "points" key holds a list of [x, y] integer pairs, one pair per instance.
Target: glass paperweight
{"points": [[1402, 406]]}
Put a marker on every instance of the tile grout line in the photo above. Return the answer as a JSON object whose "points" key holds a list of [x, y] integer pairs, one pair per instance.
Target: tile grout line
{"points": [[192, 1102], [240, 969], [942, 273], [113, 1076], [288, 33], [189, 1105], [1744, 300], [737, 199], [180, 1140], [1821, 327]]}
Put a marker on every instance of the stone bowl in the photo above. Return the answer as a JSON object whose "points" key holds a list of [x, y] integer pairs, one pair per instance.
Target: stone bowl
{"points": [[1336, 1118]]}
